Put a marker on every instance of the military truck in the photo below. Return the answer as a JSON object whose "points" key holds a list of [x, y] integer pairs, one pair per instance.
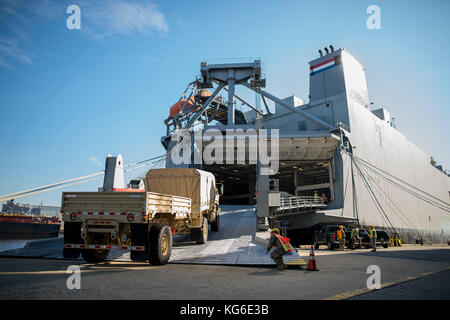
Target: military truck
{"points": [[174, 201]]}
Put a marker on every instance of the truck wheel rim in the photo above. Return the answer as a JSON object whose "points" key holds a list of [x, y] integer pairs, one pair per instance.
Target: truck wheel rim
{"points": [[205, 230], [165, 244]]}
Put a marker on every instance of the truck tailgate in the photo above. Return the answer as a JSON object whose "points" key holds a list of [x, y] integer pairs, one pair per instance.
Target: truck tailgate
{"points": [[103, 202], [109, 204]]}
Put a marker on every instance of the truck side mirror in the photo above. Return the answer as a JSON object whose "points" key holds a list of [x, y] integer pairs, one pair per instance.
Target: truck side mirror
{"points": [[219, 188]]}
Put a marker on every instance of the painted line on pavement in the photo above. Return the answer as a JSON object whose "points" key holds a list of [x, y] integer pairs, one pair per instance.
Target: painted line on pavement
{"points": [[353, 293], [85, 268]]}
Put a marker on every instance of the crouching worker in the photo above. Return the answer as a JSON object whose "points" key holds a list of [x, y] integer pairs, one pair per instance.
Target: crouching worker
{"points": [[281, 245]]}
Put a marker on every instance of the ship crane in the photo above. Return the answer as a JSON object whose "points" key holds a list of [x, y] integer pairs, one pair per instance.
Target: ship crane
{"points": [[200, 105]]}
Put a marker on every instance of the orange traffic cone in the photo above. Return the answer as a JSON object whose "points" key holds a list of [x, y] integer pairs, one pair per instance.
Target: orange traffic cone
{"points": [[312, 261]]}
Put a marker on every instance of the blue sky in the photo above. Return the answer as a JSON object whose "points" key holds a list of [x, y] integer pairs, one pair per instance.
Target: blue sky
{"points": [[70, 97]]}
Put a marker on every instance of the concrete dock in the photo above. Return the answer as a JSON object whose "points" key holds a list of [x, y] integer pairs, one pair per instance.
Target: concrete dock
{"points": [[411, 272]]}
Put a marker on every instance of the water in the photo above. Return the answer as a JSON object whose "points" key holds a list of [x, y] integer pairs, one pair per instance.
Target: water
{"points": [[10, 244]]}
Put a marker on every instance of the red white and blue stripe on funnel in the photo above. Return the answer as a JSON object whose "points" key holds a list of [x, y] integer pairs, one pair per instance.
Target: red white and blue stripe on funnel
{"points": [[323, 66]]}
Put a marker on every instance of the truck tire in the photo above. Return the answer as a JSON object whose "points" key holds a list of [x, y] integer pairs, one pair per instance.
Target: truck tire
{"points": [[160, 244], [94, 255], [215, 224], [330, 245], [316, 245], [72, 235], [204, 232], [200, 235]]}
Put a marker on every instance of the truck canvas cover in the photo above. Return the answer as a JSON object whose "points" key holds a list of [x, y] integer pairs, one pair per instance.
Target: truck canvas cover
{"points": [[191, 183]]}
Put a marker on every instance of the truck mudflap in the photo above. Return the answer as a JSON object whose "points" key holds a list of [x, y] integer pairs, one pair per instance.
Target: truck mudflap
{"points": [[98, 246], [139, 238]]}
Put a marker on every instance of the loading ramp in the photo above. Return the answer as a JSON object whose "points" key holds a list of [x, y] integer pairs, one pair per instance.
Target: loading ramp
{"points": [[233, 244]]}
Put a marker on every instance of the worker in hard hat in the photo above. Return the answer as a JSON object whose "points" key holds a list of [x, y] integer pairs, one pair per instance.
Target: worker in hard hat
{"points": [[341, 237], [316, 197], [355, 240], [281, 245], [373, 237]]}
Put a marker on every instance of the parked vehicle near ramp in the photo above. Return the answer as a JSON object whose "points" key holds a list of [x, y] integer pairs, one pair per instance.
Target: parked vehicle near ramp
{"points": [[326, 235]]}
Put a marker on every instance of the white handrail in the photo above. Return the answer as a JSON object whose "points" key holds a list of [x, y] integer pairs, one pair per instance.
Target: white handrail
{"points": [[295, 202]]}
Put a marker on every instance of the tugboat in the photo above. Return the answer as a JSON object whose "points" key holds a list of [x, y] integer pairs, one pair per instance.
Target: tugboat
{"points": [[26, 222]]}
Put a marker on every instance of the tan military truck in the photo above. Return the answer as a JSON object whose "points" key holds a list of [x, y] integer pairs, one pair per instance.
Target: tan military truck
{"points": [[174, 201]]}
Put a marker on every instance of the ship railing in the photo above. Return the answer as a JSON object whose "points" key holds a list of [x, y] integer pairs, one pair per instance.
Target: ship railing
{"points": [[297, 203]]}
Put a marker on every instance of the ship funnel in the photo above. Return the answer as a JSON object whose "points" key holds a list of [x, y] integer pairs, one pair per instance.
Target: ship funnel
{"points": [[326, 50], [321, 53], [331, 48]]}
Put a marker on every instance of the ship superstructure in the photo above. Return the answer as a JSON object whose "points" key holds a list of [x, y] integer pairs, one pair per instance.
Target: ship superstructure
{"points": [[339, 160]]}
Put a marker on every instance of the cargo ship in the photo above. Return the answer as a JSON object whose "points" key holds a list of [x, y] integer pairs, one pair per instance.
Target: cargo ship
{"points": [[341, 159], [20, 221]]}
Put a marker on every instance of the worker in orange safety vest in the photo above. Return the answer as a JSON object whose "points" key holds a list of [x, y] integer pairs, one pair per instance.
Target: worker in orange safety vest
{"points": [[341, 237], [281, 245]]}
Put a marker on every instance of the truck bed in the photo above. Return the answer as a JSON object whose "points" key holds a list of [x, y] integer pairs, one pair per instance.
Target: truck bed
{"points": [[122, 203]]}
